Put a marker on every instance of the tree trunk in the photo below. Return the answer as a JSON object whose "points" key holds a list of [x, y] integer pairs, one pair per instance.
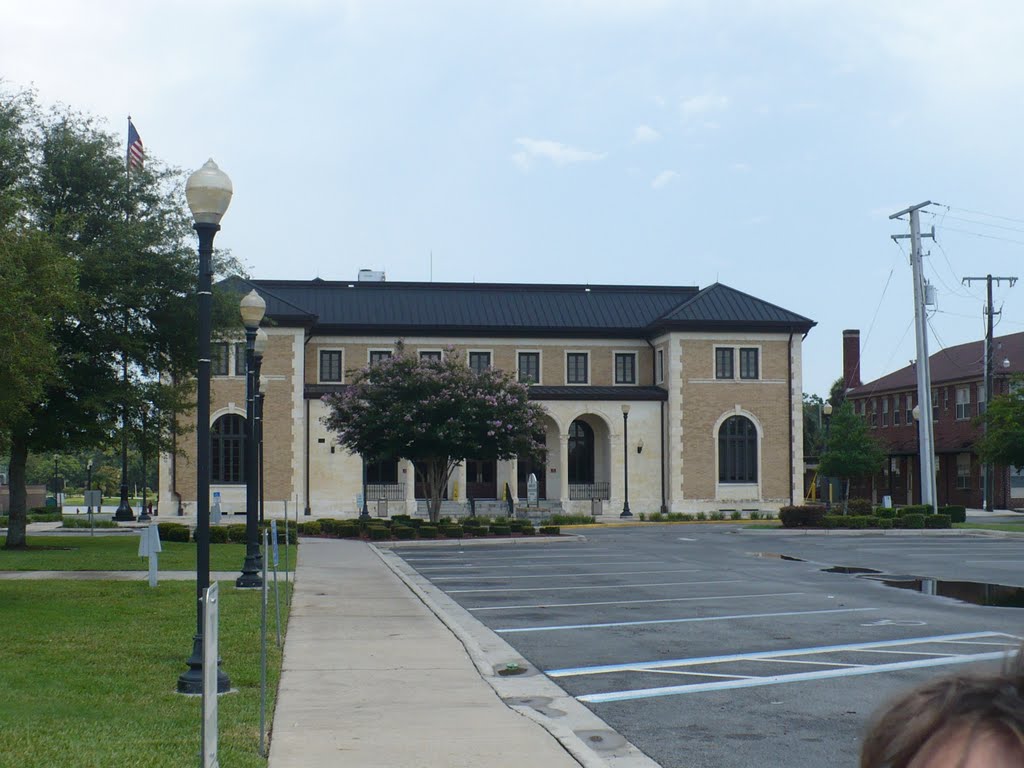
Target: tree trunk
{"points": [[18, 512]]}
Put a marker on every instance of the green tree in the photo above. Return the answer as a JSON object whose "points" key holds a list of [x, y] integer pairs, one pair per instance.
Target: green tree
{"points": [[812, 424], [122, 339], [434, 413], [851, 451], [1003, 444]]}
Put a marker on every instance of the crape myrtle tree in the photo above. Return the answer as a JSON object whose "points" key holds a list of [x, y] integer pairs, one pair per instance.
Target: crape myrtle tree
{"points": [[122, 258], [1003, 443], [434, 413], [851, 450]]}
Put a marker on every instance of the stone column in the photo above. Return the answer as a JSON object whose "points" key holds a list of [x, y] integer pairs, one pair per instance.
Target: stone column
{"points": [[408, 476], [563, 469]]}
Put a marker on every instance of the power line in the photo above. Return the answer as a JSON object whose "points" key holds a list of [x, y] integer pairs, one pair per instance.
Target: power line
{"points": [[987, 237], [983, 213], [975, 221]]}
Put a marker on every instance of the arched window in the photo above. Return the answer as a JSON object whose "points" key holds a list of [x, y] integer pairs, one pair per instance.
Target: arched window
{"points": [[737, 451], [227, 449], [581, 453]]}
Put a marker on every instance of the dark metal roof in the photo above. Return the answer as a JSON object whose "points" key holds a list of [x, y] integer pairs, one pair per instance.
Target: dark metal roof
{"points": [[513, 308], [537, 392], [720, 306], [964, 362]]}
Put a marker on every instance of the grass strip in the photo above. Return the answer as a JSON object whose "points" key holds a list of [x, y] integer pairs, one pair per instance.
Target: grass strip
{"points": [[82, 552], [90, 668]]}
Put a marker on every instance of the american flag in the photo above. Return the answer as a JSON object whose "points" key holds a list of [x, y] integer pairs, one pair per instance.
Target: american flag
{"points": [[135, 152]]}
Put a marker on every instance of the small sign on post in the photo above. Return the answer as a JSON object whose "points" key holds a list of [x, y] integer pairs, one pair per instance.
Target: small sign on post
{"points": [[149, 546], [211, 614], [215, 513], [532, 488]]}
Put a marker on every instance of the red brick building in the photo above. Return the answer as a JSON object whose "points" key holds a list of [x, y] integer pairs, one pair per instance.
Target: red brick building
{"points": [[958, 396]]}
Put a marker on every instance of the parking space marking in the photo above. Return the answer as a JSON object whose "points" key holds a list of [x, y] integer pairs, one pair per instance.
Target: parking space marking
{"points": [[566, 575], [489, 566], [652, 622], [634, 602], [514, 556], [590, 586], [963, 637]]}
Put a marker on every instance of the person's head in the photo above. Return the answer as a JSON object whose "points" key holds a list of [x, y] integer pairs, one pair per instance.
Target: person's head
{"points": [[964, 721]]}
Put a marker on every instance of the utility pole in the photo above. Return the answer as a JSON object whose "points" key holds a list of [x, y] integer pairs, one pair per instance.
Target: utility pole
{"points": [[924, 383], [988, 491]]}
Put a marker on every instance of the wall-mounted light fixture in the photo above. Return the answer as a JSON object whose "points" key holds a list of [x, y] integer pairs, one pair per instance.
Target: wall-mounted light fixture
{"points": [[640, 445]]}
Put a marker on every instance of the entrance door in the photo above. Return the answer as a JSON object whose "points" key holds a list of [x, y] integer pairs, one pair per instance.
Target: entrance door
{"points": [[481, 479]]}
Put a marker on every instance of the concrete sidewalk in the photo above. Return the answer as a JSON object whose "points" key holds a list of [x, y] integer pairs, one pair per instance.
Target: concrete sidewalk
{"points": [[372, 678]]}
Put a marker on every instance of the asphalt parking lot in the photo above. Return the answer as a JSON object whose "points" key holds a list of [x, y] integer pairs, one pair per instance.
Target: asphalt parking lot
{"points": [[714, 646]]}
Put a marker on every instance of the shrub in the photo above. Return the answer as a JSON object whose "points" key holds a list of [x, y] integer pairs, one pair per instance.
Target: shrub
{"points": [[885, 522], [528, 529], [913, 520], [329, 526], [76, 522], [501, 530], [687, 517], [563, 520], [701, 516], [428, 531], [957, 514], [656, 517], [717, 516], [834, 521], [173, 532], [312, 528], [938, 521], [378, 532], [415, 522], [550, 530], [914, 509], [858, 507], [755, 514], [480, 530], [471, 522], [218, 534], [349, 531], [403, 519], [281, 527], [236, 532], [885, 514], [453, 531], [643, 516], [403, 531], [808, 516], [736, 515]]}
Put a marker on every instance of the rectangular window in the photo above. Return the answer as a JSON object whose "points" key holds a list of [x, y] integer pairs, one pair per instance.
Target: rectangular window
{"points": [[894, 466], [963, 403], [219, 353], [963, 471], [749, 363], [479, 361], [529, 367], [723, 363], [430, 355], [239, 358], [981, 399], [935, 405], [896, 413], [330, 365], [885, 412], [625, 368], [378, 355], [576, 367], [659, 371], [874, 413], [910, 410]]}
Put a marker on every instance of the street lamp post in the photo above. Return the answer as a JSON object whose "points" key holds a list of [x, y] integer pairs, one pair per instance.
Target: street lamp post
{"points": [[208, 191], [253, 308], [827, 410], [625, 461], [259, 431], [917, 433], [144, 516], [88, 483], [364, 513]]}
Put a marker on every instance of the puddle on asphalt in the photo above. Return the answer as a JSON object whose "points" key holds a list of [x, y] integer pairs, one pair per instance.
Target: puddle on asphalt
{"points": [[776, 556], [848, 569]]}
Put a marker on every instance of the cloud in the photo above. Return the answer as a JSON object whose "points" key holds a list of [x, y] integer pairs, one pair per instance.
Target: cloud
{"points": [[644, 134], [663, 179], [555, 151], [696, 106]]}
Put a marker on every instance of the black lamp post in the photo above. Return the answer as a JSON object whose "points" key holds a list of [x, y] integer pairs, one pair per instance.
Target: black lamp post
{"points": [[144, 516], [88, 482], [364, 513], [253, 308], [259, 427], [208, 191], [625, 461], [827, 410], [917, 435], [124, 508]]}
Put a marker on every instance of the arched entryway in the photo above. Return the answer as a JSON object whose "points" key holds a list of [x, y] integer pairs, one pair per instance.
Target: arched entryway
{"points": [[588, 459], [737, 451]]}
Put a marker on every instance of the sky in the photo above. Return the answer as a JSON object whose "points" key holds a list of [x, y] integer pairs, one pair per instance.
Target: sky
{"points": [[758, 143]]}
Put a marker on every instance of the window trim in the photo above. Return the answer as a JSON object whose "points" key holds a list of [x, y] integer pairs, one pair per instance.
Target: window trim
{"points": [[228, 348], [963, 480], [586, 373], [739, 358], [540, 364], [370, 351], [488, 352], [238, 351], [425, 351], [963, 407], [754, 439], [615, 368], [659, 366], [732, 363], [320, 365], [885, 411], [217, 456]]}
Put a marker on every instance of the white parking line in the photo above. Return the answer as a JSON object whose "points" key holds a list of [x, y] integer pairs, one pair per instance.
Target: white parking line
{"points": [[478, 555], [591, 586], [474, 566], [634, 602], [565, 575], [610, 624]]}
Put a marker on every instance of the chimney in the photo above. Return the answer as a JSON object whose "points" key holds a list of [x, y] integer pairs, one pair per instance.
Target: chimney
{"points": [[851, 358]]}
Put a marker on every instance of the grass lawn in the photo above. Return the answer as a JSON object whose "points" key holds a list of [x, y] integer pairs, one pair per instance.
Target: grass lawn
{"points": [[83, 552], [89, 672], [991, 526]]}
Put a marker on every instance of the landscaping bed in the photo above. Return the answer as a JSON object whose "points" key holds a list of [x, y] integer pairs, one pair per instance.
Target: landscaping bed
{"points": [[406, 528], [861, 514]]}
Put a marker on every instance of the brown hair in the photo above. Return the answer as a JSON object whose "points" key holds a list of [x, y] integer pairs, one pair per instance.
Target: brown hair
{"points": [[925, 721]]}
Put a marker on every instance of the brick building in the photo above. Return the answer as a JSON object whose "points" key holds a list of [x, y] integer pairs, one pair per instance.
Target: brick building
{"points": [[712, 379], [958, 396]]}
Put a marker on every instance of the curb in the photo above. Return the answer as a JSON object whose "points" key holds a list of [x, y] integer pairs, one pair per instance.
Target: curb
{"points": [[533, 695]]}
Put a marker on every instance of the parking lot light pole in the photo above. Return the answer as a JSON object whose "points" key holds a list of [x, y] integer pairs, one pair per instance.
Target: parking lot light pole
{"points": [[827, 410], [88, 483], [253, 307], [625, 461], [208, 191]]}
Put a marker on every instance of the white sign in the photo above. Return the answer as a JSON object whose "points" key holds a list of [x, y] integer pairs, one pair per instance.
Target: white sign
{"points": [[149, 546], [532, 488], [211, 614]]}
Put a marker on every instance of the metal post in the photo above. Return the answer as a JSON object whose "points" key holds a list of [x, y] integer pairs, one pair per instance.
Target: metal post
{"points": [[144, 515], [364, 513], [191, 681], [625, 462], [259, 442], [828, 483], [250, 578]]}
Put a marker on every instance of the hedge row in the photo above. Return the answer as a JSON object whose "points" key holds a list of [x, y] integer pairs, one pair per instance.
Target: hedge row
{"points": [[404, 527], [224, 534], [912, 516], [913, 520]]}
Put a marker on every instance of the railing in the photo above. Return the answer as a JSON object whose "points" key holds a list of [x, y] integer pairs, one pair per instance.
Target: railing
{"points": [[588, 491], [386, 491]]}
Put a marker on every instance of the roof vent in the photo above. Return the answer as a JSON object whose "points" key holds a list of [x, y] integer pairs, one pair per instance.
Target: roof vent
{"points": [[371, 276]]}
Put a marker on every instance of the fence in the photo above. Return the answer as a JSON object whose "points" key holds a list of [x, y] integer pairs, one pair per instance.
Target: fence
{"points": [[386, 491], [588, 491]]}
